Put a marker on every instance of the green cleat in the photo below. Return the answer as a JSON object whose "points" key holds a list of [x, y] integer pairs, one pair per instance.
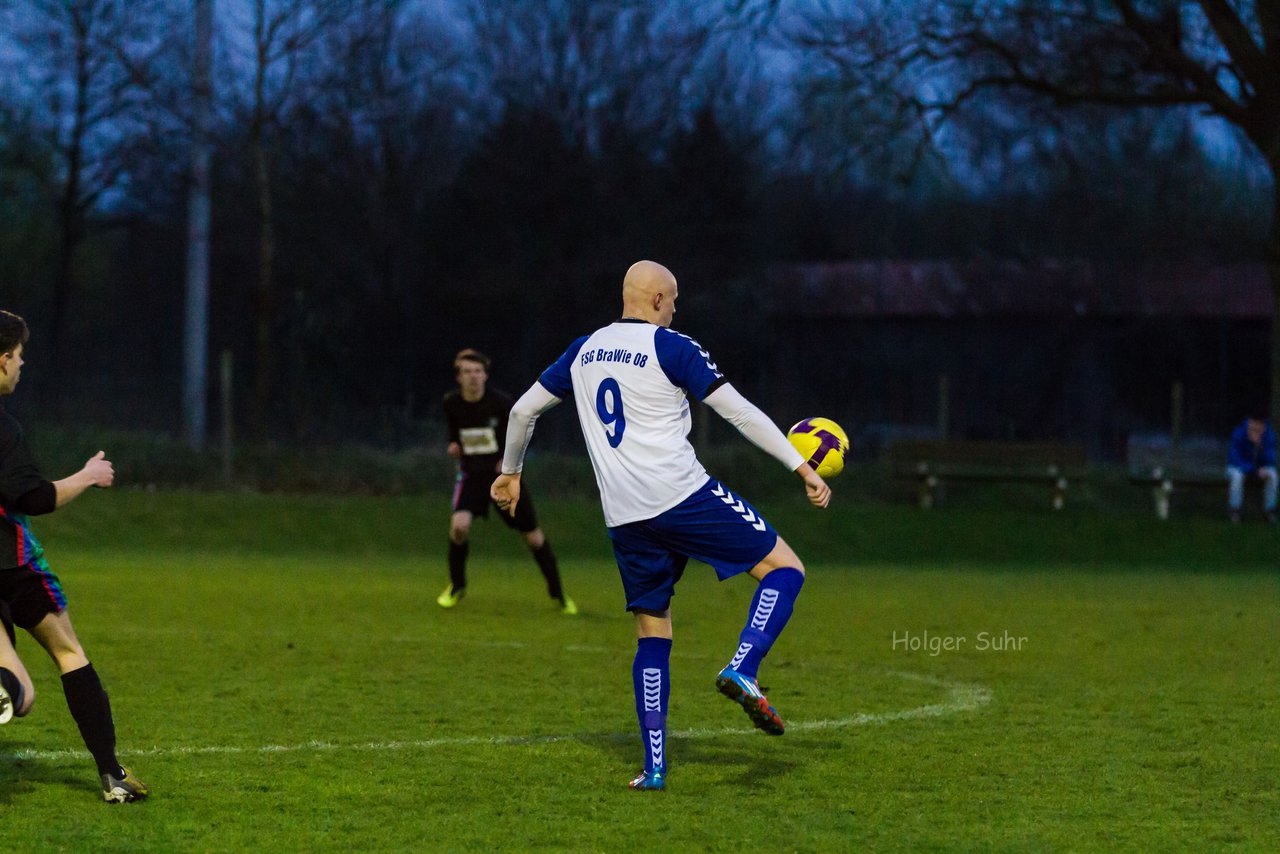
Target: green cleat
{"points": [[450, 597], [568, 607]]}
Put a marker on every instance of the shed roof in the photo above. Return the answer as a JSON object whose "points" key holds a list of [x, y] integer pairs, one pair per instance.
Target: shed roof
{"points": [[987, 288]]}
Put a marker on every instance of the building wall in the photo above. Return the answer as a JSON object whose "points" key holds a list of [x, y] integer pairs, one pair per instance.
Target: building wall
{"points": [[1087, 379]]}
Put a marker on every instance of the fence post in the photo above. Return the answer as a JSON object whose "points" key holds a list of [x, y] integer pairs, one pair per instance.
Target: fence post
{"points": [[228, 421], [944, 405], [1175, 421]]}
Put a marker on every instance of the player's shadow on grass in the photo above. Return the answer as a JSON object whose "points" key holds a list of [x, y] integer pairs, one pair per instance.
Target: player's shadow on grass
{"points": [[744, 750], [19, 777]]}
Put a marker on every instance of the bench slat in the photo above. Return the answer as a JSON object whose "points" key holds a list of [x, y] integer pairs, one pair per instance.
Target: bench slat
{"points": [[931, 462]]}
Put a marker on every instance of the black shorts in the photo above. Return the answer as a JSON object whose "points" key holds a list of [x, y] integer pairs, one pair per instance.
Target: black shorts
{"points": [[7, 622], [30, 593], [471, 493]]}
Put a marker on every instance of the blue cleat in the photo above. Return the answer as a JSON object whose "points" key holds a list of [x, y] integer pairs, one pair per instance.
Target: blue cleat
{"points": [[744, 691], [650, 781]]}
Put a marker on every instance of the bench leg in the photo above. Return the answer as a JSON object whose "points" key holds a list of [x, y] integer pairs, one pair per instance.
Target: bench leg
{"points": [[1161, 495], [927, 485]]}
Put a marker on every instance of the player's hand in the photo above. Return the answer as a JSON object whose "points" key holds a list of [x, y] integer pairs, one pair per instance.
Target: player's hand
{"points": [[99, 470], [817, 489], [506, 492], [454, 450]]}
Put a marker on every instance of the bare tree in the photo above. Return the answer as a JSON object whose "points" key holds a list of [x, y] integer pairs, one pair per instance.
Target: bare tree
{"points": [[276, 36], [80, 102], [593, 63], [924, 63]]}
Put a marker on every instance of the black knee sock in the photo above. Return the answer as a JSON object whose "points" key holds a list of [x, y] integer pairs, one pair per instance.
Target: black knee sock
{"points": [[9, 682], [92, 712], [458, 564], [550, 570]]}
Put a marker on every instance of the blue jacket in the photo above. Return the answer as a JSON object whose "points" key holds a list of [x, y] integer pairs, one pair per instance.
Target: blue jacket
{"points": [[1244, 455]]}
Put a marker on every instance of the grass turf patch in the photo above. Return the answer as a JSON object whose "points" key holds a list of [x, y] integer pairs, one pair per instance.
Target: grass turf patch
{"points": [[282, 678]]}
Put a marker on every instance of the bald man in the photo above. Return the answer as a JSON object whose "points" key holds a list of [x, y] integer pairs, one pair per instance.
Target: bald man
{"points": [[631, 381]]}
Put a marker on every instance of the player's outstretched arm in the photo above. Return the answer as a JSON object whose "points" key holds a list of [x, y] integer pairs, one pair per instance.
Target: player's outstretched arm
{"points": [[98, 471], [524, 412], [730, 405]]}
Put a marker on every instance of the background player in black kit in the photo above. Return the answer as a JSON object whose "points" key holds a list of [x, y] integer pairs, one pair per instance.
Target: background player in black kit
{"points": [[477, 421]]}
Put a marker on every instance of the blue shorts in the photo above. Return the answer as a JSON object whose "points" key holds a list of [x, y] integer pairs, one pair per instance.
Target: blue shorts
{"points": [[713, 525]]}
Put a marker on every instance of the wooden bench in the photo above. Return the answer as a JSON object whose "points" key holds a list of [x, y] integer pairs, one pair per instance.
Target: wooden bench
{"points": [[935, 461], [1163, 484]]}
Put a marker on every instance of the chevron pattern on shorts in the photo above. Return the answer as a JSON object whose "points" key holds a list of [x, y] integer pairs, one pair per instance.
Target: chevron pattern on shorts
{"points": [[737, 505]]}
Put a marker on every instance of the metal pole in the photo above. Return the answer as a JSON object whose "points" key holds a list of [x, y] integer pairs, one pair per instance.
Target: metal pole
{"points": [[196, 335]]}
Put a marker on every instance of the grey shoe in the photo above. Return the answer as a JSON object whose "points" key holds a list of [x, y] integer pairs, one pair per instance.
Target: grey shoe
{"points": [[123, 790]]}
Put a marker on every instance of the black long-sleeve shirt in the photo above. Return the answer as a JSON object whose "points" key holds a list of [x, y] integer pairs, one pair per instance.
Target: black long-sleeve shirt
{"points": [[479, 427], [23, 492]]}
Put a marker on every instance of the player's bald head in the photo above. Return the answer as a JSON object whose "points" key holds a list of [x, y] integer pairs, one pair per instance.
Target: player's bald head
{"points": [[649, 292]]}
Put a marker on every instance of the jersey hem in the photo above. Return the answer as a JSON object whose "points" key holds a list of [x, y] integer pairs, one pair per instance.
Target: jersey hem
{"points": [[647, 516]]}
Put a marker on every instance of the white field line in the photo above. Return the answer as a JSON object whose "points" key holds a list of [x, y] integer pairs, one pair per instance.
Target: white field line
{"points": [[961, 697]]}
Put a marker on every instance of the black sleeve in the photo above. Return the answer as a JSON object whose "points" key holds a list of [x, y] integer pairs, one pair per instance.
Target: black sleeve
{"points": [[18, 472], [451, 416], [39, 501]]}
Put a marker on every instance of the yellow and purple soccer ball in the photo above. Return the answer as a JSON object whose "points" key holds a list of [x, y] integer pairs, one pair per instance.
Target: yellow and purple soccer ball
{"points": [[822, 442]]}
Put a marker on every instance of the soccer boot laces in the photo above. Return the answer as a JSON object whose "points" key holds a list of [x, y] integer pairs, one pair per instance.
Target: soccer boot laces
{"points": [[123, 790], [744, 691]]}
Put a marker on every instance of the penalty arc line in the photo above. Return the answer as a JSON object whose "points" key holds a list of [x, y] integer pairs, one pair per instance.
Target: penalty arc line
{"points": [[962, 698]]}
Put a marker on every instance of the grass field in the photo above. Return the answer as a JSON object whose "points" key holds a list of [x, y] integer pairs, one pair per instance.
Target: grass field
{"points": [[283, 680]]}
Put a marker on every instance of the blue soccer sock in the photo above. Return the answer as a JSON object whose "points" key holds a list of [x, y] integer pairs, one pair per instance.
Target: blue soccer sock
{"points": [[651, 675], [771, 607]]}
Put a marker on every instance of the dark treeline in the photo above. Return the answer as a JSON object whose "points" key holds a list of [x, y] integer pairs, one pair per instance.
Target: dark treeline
{"points": [[391, 185]]}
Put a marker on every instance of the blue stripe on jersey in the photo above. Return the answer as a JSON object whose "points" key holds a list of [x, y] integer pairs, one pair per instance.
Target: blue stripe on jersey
{"points": [[556, 379], [685, 363]]}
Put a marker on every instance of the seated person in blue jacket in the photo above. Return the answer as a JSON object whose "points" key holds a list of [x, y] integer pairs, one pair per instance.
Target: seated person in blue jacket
{"points": [[1252, 452]]}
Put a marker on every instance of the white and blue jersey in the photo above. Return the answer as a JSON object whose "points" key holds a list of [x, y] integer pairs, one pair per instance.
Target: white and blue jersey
{"points": [[630, 381]]}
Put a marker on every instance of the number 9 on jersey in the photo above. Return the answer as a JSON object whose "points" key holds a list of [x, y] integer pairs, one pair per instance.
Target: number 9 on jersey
{"points": [[609, 408]]}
